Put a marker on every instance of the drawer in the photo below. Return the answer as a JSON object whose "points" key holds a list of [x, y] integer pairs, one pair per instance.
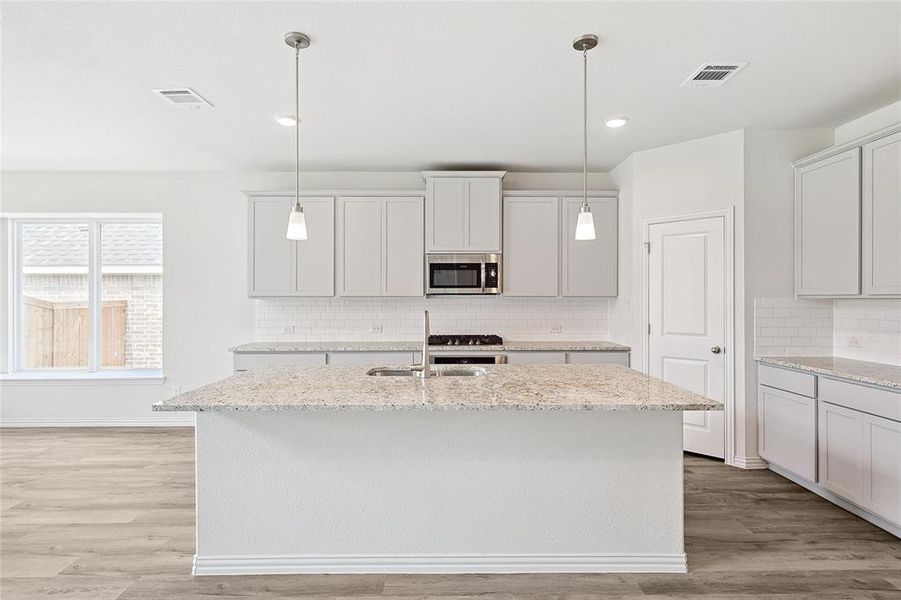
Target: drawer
{"points": [[538, 358], [598, 358], [380, 359], [879, 402], [804, 384], [262, 359]]}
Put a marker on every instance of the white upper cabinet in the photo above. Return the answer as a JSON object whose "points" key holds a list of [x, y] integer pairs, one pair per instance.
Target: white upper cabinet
{"points": [[882, 217], [281, 267], [402, 265], [380, 246], [589, 266], [827, 226], [531, 246], [463, 211]]}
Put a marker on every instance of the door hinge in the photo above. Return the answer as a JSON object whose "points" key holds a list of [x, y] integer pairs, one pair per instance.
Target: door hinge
{"points": [[647, 246], [649, 329]]}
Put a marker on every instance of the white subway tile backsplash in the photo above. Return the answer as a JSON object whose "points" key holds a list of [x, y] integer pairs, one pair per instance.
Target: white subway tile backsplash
{"points": [[348, 319], [859, 328]]}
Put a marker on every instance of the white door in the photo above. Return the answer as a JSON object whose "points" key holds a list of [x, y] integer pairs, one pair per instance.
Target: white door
{"points": [[687, 318]]}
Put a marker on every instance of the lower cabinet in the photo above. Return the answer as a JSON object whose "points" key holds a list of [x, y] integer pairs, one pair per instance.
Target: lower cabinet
{"points": [[546, 358], [387, 359], [599, 358], [787, 430], [245, 361], [841, 451], [882, 467], [844, 444]]}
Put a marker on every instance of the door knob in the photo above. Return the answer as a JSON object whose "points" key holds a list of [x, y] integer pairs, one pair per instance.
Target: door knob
{"points": [[716, 349]]}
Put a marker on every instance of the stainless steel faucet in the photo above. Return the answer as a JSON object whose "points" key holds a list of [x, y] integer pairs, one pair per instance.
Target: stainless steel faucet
{"points": [[424, 367]]}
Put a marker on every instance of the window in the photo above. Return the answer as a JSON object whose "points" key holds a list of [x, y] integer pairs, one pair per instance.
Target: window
{"points": [[87, 296]]}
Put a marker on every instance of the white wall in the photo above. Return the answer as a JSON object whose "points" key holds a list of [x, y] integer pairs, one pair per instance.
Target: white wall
{"points": [[206, 308], [874, 121]]}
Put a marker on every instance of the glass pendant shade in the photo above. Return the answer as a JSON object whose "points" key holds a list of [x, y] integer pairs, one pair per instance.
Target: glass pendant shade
{"points": [[297, 225], [585, 226]]}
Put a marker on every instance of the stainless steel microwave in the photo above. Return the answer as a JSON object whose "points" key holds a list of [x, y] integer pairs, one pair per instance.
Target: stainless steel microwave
{"points": [[463, 274]]}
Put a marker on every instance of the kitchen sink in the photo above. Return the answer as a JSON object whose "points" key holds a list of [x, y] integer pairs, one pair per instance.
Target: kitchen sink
{"points": [[407, 372]]}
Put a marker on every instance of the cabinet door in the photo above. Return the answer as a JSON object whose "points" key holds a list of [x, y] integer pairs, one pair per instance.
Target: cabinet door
{"points": [[483, 214], [530, 246], [445, 213], [359, 246], [788, 430], [402, 241], [827, 226], [841, 451], [882, 467], [882, 217], [315, 260], [589, 266], [271, 256]]}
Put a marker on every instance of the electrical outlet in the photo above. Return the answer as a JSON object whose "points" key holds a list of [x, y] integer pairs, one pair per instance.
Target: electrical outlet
{"points": [[375, 328], [854, 341], [556, 328], [288, 329]]}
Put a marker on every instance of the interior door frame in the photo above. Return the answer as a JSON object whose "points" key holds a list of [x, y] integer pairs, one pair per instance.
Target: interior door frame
{"points": [[727, 214]]}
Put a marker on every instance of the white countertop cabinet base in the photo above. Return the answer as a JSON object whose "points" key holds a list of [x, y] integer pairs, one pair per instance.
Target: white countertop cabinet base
{"points": [[844, 443]]}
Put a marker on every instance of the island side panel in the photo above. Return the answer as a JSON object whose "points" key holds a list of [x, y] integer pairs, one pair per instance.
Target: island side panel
{"points": [[439, 491]]}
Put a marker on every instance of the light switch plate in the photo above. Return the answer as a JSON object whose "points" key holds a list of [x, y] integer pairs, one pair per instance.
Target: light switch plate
{"points": [[375, 328], [556, 328]]}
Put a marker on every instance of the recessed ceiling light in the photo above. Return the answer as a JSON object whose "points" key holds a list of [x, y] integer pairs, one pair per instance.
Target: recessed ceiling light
{"points": [[285, 120], [618, 121]]}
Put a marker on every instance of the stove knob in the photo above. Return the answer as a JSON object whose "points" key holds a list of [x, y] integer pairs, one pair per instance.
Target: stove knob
{"points": [[472, 342]]}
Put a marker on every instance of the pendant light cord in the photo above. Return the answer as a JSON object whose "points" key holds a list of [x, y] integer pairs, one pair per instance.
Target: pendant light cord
{"points": [[584, 127], [297, 126]]}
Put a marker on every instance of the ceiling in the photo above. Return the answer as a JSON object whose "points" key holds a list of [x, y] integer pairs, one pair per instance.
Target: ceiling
{"points": [[408, 86]]}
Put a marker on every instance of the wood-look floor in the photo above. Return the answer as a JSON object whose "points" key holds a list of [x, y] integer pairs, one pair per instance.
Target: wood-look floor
{"points": [[106, 514]]}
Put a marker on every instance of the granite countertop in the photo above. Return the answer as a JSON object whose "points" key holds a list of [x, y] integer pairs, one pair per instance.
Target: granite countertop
{"points": [[506, 387], [843, 368], [549, 346]]}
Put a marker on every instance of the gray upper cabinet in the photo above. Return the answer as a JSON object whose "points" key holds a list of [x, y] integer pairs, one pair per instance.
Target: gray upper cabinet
{"points": [[281, 267], [463, 211], [827, 226], [531, 246], [882, 216], [380, 246], [588, 268]]}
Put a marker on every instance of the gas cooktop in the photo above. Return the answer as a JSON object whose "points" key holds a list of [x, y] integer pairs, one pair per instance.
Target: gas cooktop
{"points": [[465, 340]]}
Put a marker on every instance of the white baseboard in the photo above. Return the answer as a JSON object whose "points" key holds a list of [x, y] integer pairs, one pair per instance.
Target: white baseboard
{"points": [[852, 508], [180, 420], [749, 462], [439, 563]]}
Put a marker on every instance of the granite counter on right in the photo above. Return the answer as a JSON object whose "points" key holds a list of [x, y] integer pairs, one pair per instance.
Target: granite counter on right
{"points": [[833, 425]]}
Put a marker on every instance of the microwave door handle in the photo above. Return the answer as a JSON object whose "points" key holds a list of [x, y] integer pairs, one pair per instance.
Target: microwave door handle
{"points": [[483, 276]]}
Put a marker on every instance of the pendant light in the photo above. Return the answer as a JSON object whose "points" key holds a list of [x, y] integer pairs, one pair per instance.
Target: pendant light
{"points": [[585, 224], [297, 224]]}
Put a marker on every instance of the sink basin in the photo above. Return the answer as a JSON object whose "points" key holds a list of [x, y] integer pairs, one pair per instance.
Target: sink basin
{"points": [[406, 372]]}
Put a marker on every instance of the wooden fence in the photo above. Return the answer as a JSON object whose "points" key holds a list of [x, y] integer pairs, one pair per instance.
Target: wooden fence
{"points": [[56, 334]]}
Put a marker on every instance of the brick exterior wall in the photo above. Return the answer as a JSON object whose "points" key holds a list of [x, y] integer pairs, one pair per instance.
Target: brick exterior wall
{"points": [[144, 314]]}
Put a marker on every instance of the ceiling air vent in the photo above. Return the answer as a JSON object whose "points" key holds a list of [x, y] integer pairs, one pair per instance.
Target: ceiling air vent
{"points": [[185, 97], [713, 74]]}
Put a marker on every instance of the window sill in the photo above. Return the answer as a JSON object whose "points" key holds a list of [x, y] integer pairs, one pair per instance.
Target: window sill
{"points": [[145, 376]]}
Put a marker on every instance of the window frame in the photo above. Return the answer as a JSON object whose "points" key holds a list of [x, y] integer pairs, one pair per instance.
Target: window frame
{"points": [[94, 369]]}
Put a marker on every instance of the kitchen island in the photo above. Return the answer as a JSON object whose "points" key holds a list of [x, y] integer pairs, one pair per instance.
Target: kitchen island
{"points": [[524, 468]]}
